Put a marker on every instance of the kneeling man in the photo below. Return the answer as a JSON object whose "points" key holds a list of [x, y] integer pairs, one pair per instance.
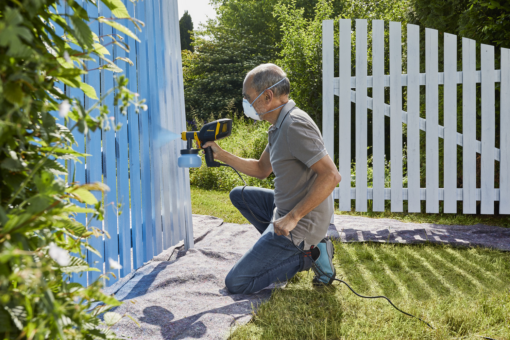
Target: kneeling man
{"points": [[294, 217]]}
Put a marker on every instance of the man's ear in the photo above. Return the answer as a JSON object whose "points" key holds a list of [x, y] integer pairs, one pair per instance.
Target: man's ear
{"points": [[269, 95]]}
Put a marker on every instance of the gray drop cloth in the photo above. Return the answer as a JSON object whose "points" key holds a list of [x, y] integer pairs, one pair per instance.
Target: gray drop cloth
{"points": [[360, 229], [183, 296]]}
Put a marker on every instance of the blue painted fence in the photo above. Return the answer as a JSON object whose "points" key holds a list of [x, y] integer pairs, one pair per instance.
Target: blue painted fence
{"points": [[147, 188]]}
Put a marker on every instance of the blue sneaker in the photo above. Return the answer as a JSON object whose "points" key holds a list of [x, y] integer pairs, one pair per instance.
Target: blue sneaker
{"points": [[324, 262]]}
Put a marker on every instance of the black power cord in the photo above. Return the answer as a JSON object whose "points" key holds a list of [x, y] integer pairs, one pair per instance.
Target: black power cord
{"points": [[322, 272]]}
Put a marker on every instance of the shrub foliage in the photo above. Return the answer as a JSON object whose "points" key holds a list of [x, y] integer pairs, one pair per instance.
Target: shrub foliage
{"points": [[38, 227]]}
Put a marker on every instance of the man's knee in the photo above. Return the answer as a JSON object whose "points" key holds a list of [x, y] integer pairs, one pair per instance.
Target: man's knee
{"points": [[233, 285], [235, 196]]}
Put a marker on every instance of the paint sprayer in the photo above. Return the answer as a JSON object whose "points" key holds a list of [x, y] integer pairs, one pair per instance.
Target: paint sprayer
{"points": [[212, 131]]}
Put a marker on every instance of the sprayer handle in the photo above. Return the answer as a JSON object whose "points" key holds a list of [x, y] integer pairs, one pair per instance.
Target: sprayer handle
{"points": [[209, 158]]}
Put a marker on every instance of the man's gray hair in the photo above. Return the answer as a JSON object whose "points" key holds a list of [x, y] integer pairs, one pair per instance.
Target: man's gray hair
{"points": [[266, 75]]}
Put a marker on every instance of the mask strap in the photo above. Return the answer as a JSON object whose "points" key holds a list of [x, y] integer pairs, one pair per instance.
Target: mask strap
{"points": [[259, 114], [265, 91]]}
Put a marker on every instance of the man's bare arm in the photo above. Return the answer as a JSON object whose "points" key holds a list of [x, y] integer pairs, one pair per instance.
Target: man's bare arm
{"points": [[327, 179], [260, 168]]}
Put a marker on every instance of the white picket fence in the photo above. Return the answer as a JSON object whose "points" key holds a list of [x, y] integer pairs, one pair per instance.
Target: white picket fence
{"points": [[431, 79]]}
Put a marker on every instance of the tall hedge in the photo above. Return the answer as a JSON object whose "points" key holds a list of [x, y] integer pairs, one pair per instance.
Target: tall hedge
{"points": [[38, 226]]}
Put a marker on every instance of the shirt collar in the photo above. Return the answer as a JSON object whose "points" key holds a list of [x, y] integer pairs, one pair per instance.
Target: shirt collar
{"points": [[288, 106]]}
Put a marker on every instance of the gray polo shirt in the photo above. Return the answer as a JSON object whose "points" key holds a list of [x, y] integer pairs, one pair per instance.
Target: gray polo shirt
{"points": [[295, 144]]}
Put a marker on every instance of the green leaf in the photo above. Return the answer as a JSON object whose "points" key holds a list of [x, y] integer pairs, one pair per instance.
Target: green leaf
{"points": [[85, 196], [13, 92], [119, 27], [90, 248], [82, 32], [61, 151], [79, 210], [3, 219], [111, 318], [78, 265], [88, 90], [11, 164], [73, 82], [100, 49], [67, 72], [127, 60], [117, 7], [76, 228], [12, 32], [18, 315], [5, 320]]}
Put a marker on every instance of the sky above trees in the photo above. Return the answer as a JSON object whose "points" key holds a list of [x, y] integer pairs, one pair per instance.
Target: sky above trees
{"points": [[199, 10]]}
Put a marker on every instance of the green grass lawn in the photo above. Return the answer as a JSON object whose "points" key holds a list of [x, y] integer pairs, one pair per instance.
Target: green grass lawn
{"points": [[217, 203], [461, 292]]}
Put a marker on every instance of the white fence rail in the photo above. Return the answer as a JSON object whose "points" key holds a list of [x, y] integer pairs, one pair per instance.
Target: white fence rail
{"points": [[343, 88]]}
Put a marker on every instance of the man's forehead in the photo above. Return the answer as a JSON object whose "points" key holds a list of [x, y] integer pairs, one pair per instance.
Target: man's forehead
{"points": [[247, 87]]}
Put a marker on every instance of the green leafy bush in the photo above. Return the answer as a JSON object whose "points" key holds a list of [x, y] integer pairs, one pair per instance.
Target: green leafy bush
{"points": [[248, 140], [38, 226]]}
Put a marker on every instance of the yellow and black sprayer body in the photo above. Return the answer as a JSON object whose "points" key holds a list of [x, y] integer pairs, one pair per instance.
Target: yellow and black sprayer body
{"points": [[212, 131]]}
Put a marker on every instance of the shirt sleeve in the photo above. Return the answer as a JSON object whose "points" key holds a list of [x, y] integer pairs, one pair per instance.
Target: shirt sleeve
{"points": [[305, 142]]}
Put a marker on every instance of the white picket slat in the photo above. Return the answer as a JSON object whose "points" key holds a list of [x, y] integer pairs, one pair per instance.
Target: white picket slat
{"points": [[328, 98], [469, 126], [361, 115], [431, 115], [345, 114], [504, 169], [395, 116], [488, 129], [378, 114], [450, 123], [413, 118]]}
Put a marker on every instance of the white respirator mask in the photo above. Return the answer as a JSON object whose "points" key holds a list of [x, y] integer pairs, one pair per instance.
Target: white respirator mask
{"points": [[250, 111]]}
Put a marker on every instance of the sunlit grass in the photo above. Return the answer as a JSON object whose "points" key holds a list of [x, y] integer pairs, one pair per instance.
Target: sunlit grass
{"points": [[215, 203], [462, 292]]}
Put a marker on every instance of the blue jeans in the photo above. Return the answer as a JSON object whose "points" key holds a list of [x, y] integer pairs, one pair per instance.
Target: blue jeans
{"points": [[273, 258]]}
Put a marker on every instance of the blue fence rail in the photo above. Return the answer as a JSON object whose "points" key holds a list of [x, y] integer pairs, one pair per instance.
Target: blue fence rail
{"points": [[148, 189]]}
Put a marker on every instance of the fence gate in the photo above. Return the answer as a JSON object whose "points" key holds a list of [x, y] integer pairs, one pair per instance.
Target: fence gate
{"points": [[152, 192], [469, 194]]}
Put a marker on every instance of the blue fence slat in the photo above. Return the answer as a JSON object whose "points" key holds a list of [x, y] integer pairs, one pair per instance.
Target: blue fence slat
{"points": [[77, 169], [153, 38], [143, 87], [109, 160], [94, 161], [152, 192], [173, 231], [179, 117], [123, 177], [165, 107], [134, 151]]}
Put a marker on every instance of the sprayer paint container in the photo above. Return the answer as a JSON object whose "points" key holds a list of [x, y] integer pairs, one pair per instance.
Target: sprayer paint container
{"points": [[189, 159]]}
